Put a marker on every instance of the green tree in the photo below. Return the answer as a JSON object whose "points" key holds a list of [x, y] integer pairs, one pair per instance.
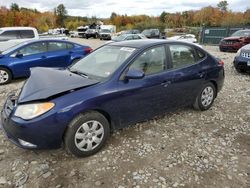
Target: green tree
{"points": [[61, 14], [14, 7], [163, 16], [222, 5]]}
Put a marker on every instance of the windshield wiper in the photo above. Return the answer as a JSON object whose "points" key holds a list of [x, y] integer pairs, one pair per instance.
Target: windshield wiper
{"points": [[79, 73]]}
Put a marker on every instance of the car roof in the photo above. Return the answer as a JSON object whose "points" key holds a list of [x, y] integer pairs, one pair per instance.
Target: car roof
{"points": [[16, 28], [46, 40], [145, 43]]}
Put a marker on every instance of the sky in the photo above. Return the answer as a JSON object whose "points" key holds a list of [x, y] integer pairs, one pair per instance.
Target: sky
{"points": [[104, 8]]}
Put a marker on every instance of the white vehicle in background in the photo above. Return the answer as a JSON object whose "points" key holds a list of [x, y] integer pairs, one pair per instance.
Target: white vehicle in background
{"points": [[127, 37], [107, 31], [186, 38], [73, 34], [11, 36]]}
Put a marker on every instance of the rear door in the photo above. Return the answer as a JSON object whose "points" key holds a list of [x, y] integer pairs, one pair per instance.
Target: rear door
{"points": [[59, 54], [186, 72]]}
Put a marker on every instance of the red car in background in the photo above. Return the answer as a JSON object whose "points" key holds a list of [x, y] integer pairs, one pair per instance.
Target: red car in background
{"points": [[236, 41]]}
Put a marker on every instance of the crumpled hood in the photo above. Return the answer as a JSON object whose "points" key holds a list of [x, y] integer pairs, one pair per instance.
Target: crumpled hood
{"points": [[46, 82]]}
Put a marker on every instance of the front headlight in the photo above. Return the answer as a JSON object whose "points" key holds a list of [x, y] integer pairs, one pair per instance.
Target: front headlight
{"points": [[238, 52], [30, 111]]}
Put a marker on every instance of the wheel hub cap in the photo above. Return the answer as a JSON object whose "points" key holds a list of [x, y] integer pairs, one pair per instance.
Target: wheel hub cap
{"points": [[89, 135], [3, 76], [207, 96]]}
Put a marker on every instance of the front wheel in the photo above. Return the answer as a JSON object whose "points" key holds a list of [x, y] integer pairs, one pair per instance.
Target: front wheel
{"points": [[206, 97], [5, 76], [87, 134]]}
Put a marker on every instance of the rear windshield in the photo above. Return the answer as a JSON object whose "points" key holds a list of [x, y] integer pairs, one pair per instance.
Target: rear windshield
{"points": [[241, 33], [105, 31]]}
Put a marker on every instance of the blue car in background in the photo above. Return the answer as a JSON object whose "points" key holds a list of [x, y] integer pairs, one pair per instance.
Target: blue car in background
{"points": [[17, 61], [117, 85], [242, 59]]}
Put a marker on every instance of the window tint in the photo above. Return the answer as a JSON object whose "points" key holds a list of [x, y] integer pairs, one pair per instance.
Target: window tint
{"points": [[55, 46], [34, 48], [151, 61], [27, 34], [8, 35], [69, 46], [200, 54], [182, 55], [129, 38], [136, 37]]}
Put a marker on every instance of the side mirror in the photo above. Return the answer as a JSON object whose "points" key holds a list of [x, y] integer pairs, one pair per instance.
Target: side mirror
{"points": [[134, 74], [19, 55]]}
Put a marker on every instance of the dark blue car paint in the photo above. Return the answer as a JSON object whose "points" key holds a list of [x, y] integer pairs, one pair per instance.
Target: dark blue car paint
{"points": [[123, 102], [20, 66], [240, 61]]}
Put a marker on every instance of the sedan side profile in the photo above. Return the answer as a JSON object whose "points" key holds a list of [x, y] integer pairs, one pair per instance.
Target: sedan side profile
{"points": [[117, 85], [17, 61]]}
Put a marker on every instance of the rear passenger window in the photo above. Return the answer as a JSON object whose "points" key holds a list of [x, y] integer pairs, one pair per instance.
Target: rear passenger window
{"points": [[8, 35], [55, 46], [200, 54], [70, 46], [27, 34], [182, 55]]}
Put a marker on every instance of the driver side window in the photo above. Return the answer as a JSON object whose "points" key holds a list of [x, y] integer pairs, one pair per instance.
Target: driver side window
{"points": [[35, 48], [151, 61]]}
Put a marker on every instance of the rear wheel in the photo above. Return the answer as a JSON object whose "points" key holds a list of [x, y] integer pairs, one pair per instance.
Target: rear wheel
{"points": [[206, 97], [87, 134], [5, 76]]}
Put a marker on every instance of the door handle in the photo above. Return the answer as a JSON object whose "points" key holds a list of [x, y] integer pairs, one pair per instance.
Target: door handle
{"points": [[165, 83], [70, 52], [43, 56], [201, 74]]}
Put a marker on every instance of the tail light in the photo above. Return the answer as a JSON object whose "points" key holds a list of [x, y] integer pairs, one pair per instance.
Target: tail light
{"points": [[221, 63], [88, 50]]}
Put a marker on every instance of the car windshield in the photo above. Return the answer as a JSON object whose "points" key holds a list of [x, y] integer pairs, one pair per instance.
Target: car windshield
{"points": [[146, 32], [103, 62], [105, 31], [241, 33], [119, 38], [13, 48]]}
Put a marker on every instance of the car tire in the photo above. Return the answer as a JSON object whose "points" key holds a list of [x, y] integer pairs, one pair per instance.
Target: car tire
{"points": [[87, 134], [205, 98], [5, 76], [240, 70]]}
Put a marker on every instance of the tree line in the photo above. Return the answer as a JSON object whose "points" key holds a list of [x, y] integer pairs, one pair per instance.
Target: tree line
{"points": [[207, 16]]}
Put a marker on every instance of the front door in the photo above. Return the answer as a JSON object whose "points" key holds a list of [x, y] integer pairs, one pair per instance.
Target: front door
{"points": [[141, 99], [31, 55]]}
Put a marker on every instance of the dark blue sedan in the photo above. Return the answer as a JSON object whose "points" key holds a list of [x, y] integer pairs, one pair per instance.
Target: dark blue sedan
{"points": [[242, 59], [116, 85], [17, 61]]}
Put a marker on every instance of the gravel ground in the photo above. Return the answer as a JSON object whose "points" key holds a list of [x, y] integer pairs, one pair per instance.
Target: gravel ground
{"points": [[186, 148]]}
